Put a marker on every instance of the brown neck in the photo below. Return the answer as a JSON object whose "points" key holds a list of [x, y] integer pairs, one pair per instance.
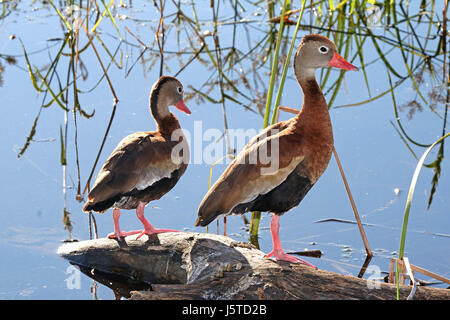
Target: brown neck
{"points": [[314, 104], [312, 94], [158, 105], [306, 77], [167, 125]]}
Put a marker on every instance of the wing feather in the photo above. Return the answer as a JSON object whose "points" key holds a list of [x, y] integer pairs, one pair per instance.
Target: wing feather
{"points": [[138, 161], [244, 181]]}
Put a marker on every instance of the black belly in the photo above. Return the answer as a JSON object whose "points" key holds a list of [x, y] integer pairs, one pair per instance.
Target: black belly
{"points": [[131, 199], [282, 198]]}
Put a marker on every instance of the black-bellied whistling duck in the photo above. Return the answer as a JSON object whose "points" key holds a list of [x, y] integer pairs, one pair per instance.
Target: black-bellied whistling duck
{"points": [[304, 143], [143, 166]]}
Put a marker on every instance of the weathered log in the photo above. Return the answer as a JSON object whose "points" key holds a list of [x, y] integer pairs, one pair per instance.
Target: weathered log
{"points": [[207, 266]]}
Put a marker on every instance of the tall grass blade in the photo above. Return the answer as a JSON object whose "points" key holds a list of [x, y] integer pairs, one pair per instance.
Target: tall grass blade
{"points": [[397, 117], [68, 26], [55, 97], [30, 136], [30, 72], [102, 16], [412, 187], [286, 65], [63, 158], [274, 67], [436, 165]]}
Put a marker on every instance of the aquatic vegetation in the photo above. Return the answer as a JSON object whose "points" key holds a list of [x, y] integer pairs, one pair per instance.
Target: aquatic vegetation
{"points": [[244, 49]]}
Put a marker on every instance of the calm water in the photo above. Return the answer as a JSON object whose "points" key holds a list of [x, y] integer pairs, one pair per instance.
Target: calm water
{"points": [[375, 160]]}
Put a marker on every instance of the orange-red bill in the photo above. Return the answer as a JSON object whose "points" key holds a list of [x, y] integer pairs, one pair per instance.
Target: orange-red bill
{"points": [[181, 106], [339, 62]]}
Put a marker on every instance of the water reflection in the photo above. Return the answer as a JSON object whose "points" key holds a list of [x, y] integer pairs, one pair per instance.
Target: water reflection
{"points": [[85, 76], [121, 286]]}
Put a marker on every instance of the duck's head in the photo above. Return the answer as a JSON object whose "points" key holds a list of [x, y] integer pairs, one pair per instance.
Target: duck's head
{"points": [[316, 51], [167, 91]]}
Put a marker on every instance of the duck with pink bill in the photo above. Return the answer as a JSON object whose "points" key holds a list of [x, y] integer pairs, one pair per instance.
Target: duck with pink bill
{"points": [[142, 167], [305, 144]]}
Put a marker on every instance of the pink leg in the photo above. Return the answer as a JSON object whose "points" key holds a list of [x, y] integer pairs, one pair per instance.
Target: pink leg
{"points": [[148, 228], [277, 251], [117, 234], [225, 226]]}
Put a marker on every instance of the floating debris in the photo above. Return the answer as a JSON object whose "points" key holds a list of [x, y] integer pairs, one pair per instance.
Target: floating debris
{"points": [[235, 235], [342, 221], [121, 16], [308, 253]]}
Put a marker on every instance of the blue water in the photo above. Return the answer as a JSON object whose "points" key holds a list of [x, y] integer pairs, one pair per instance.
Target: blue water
{"points": [[375, 160]]}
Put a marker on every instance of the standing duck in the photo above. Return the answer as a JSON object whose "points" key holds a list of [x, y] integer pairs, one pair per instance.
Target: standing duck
{"points": [[144, 166], [303, 146]]}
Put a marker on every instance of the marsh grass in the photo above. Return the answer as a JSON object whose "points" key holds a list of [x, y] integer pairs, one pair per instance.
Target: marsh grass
{"points": [[243, 53], [357, 22], [409, 199], [45, 84]]}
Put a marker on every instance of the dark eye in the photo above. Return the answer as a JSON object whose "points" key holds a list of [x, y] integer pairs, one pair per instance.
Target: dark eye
{"points": [[323, 50], [180, 90]]}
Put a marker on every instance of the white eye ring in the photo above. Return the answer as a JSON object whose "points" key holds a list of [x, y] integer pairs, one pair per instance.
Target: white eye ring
{"points": [[323, 50], [180, 90]]}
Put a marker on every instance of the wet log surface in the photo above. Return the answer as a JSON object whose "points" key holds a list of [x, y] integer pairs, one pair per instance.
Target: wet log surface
{"points": [[207, 266]]}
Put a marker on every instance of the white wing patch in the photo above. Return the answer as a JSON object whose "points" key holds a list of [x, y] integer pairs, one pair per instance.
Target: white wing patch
{"points": [[152, 175]]}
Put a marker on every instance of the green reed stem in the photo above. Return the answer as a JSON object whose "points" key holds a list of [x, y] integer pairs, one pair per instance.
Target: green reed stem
{"points": [[412, 187], [286, 65], [68, 26], [274, 67], [55, 97]]}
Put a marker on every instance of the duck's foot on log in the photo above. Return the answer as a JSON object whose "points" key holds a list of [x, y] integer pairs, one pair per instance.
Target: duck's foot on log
{"points": [[122, 234], [181, 265], [153, 231], [280, 255]]}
